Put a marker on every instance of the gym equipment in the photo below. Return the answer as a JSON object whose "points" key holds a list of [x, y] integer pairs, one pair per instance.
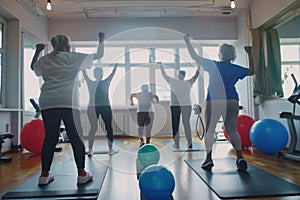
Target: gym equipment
{"points": [[157, 183], [268, 135], [183, 146], [244, 123], [64, 185], [228, 183], [32, 135], [292, 152], [197, 111], [101, 147], [148, 155], [63, 136], [3, 136]]}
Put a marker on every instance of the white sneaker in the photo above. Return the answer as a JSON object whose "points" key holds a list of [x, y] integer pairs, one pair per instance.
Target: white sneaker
{"points": [[90, 153], [44, 180], [111, 152], [84, 179]]}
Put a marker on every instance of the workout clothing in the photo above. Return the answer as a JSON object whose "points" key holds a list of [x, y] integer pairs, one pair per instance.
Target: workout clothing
{"points": [[145, 113], [222, 100], [60, 75], [180, 91], [227, 74], [145, 103], [52, 120]]}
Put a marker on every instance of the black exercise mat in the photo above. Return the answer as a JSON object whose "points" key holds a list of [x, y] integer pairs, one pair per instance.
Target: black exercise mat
{"points": [[64, 185], [228, 183], [183, 146], [101, 147]]}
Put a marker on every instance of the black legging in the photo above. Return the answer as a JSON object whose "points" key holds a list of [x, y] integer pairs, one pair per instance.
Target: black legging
{"points": [[185, 112], [52, 121], [106, 115]]}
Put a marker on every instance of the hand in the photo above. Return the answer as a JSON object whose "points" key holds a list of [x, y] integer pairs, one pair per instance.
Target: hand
{"points": [[248, 49], [186, 37], [101, 36], [40, 47]]}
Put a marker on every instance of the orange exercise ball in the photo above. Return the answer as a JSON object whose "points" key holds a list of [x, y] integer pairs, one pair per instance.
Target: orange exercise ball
{"points": [[32, 135]]}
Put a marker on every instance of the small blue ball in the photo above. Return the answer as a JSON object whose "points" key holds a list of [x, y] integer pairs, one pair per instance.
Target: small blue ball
{"points": [[156, 183]]}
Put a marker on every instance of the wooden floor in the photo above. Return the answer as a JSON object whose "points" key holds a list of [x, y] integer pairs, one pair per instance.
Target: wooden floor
{"points": [[121, 183]]}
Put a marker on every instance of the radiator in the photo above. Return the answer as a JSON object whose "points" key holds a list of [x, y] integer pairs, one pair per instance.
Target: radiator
{"points": [[120, 123]]}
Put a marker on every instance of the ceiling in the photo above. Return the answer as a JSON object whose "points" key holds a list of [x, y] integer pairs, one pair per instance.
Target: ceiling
{"points": [[62, 9]]}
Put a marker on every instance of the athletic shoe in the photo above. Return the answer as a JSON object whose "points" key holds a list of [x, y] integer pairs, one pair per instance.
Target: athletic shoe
{"points": [[90, 153], [82, 179], [44, 180], [190, 146], [241, 164], [111, 152], [176, 146], [207, 165], [142, 143]]}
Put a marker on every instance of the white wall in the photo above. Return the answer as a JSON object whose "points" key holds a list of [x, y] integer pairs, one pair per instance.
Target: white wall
{"points": [[37, 25], [198, 28], [264, 10]]}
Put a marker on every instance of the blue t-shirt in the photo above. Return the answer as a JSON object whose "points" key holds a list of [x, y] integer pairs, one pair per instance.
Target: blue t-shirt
{"points": [[222, 79]]}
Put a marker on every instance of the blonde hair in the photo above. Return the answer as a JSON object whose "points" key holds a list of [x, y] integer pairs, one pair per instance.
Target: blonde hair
{"points": [[59, 43], [227, 52]]}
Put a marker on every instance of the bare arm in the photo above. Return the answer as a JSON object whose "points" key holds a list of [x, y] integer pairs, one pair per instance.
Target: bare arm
{"points": [[86, 77], [39, 48], [113, 72], [163, 72], [100, 51], [131, 98], [194, 78], [248, 50], [198, 59]]}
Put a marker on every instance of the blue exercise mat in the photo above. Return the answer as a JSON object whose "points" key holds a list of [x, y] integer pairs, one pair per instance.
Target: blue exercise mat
{"points": [[228, 183], [183, 146], [101, 147], [64, 185]]}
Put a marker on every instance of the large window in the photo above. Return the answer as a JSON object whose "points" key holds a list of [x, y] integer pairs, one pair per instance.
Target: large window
{"points": [[2, 57], [32, 83], [290, 60], [136, 66]]}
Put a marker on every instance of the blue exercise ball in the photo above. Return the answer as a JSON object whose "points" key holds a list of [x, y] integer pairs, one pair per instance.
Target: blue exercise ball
{"points": [[268, 135], [148, 155], [156, 182]]}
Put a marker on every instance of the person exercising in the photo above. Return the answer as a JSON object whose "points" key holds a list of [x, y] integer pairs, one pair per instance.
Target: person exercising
{"points": [[180, 104], [99, 104], [59, 100], [145, 112], [222, 98]]}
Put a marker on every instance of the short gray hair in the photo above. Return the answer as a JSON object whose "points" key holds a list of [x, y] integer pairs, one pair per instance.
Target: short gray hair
{"points": [[227, 52], [59, 43]]}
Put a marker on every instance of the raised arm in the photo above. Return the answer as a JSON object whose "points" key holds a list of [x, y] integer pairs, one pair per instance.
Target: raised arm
{"points": [[163, 72], [100, 51], [39, 48], [86, 77], [113, 72], [131, 98], [248, 50], [198, 59], [194, 78]]}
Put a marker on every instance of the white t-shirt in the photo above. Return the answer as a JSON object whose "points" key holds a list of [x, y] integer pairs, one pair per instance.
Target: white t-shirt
{"points": [[145, 103], [180, 91], [60, 75]]}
